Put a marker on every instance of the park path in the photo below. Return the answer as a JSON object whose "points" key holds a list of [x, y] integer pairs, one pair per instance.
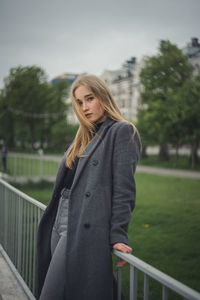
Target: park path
{"points": [[140, 169], [168, 172]]}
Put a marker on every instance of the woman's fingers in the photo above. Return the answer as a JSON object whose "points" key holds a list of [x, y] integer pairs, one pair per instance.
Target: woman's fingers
{"points": [[123, 248], [121, 263]]}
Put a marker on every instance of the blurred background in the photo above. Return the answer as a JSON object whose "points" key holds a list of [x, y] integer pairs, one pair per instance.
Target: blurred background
{"points": [[148, 53]]}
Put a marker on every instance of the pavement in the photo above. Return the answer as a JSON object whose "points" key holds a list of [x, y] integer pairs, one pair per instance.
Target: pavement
{"points": [[9, 285], [169, 172], [24, 179], [140, 169]]}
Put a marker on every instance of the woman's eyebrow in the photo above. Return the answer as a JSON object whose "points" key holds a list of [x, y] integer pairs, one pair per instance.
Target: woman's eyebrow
{"points": [[87, 95]]}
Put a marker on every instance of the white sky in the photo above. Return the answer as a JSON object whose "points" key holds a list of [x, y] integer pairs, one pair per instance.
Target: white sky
{"points": [[88, 35]]}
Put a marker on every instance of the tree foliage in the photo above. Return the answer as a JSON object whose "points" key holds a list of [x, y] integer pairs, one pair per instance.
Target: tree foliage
{"points": [[32, 106], [188, 97], [170, 95]]}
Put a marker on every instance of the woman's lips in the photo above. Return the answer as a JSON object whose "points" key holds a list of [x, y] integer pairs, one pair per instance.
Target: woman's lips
{"points": [[88, 115]]}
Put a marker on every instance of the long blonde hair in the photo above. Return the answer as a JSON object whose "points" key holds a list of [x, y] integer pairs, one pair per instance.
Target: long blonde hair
{"points": [[86, 129]]}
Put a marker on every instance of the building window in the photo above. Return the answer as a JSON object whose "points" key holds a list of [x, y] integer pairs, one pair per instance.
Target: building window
{"points": [[123, 102]]}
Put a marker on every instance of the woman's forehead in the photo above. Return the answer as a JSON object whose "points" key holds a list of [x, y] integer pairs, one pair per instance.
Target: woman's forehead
{"points": [[82, 91]]}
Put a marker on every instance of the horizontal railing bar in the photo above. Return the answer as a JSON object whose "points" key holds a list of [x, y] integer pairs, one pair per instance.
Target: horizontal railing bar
{"points": [[23, 195], [161, 277], [53, 158]]}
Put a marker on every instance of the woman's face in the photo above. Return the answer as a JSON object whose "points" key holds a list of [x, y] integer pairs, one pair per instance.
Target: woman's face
{"points": [[89, 105]]}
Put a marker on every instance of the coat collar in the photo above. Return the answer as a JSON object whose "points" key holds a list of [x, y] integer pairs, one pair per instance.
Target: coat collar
{"points": [[91, 147]]}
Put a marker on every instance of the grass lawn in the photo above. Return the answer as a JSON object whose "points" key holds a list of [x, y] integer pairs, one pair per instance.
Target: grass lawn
{"points": [[165, 227], [164, 231], [41, 191]]}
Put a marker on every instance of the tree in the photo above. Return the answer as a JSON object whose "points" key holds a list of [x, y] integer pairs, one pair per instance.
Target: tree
{"points": [[62, 135], [149, 134], [161, 77], [6, 122], [189, 115], [34, 104]]}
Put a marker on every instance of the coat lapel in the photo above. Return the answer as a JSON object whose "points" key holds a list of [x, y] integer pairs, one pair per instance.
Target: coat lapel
{"points": [[91, 147]]}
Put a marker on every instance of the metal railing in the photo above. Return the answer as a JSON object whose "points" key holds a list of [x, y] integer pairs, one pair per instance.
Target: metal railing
{"points": [[167, 282], [30, 166], [19, 219]]}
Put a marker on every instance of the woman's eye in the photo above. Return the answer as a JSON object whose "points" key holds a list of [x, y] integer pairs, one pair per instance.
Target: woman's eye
{"points": [[90, 98], [80, 102]]}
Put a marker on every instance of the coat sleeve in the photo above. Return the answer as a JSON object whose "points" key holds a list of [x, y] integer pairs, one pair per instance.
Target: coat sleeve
{"points": [[125, 157]]}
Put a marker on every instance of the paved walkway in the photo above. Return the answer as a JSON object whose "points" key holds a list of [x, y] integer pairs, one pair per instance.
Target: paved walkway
{"points": [[24, 179], [140, 169], [9, 286], [169, 172]]}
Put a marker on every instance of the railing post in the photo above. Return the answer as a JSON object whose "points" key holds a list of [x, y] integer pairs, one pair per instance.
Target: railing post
{"points": [[6, 219], [119, 282], [24, 240], [19, 252], [133, 283], [164, 293], [31, 247], [146, 287], [34, 244], [27, 242]]}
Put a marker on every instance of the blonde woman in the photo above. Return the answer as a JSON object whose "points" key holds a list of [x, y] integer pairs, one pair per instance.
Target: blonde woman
{"points": [[92, 201]]}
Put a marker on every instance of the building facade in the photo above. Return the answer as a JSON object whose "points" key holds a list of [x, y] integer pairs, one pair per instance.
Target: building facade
{"points": [[126, 87], [192, 51]]}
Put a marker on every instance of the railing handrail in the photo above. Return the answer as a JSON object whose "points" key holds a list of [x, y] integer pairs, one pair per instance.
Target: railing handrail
{"points": [[47, 157], [161, 277], [23, 195]]}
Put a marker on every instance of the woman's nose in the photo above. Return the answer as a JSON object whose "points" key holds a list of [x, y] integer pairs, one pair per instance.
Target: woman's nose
{"points": [[85, 106]]}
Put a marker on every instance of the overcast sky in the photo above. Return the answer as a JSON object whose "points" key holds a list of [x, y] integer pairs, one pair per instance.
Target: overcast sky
{"points": [[89, 35]]}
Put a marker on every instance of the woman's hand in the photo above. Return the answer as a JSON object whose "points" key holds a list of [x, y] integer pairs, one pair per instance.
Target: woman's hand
{"points": [[123, 248]]}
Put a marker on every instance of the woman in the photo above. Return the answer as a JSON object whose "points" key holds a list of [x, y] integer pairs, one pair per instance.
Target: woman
{"points": [[92, 201]]}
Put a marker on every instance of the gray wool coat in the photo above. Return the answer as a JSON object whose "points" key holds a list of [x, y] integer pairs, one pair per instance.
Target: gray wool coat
{"points": [[101, 202]]}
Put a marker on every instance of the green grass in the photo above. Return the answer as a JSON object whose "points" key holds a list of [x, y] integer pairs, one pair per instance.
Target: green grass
{"points": [[183, 162], [164, 230], [41, 191]]}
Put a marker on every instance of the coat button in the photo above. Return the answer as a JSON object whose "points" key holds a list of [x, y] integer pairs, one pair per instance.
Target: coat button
{"points": [[87, 225], [95, 162], [87, 194]]}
